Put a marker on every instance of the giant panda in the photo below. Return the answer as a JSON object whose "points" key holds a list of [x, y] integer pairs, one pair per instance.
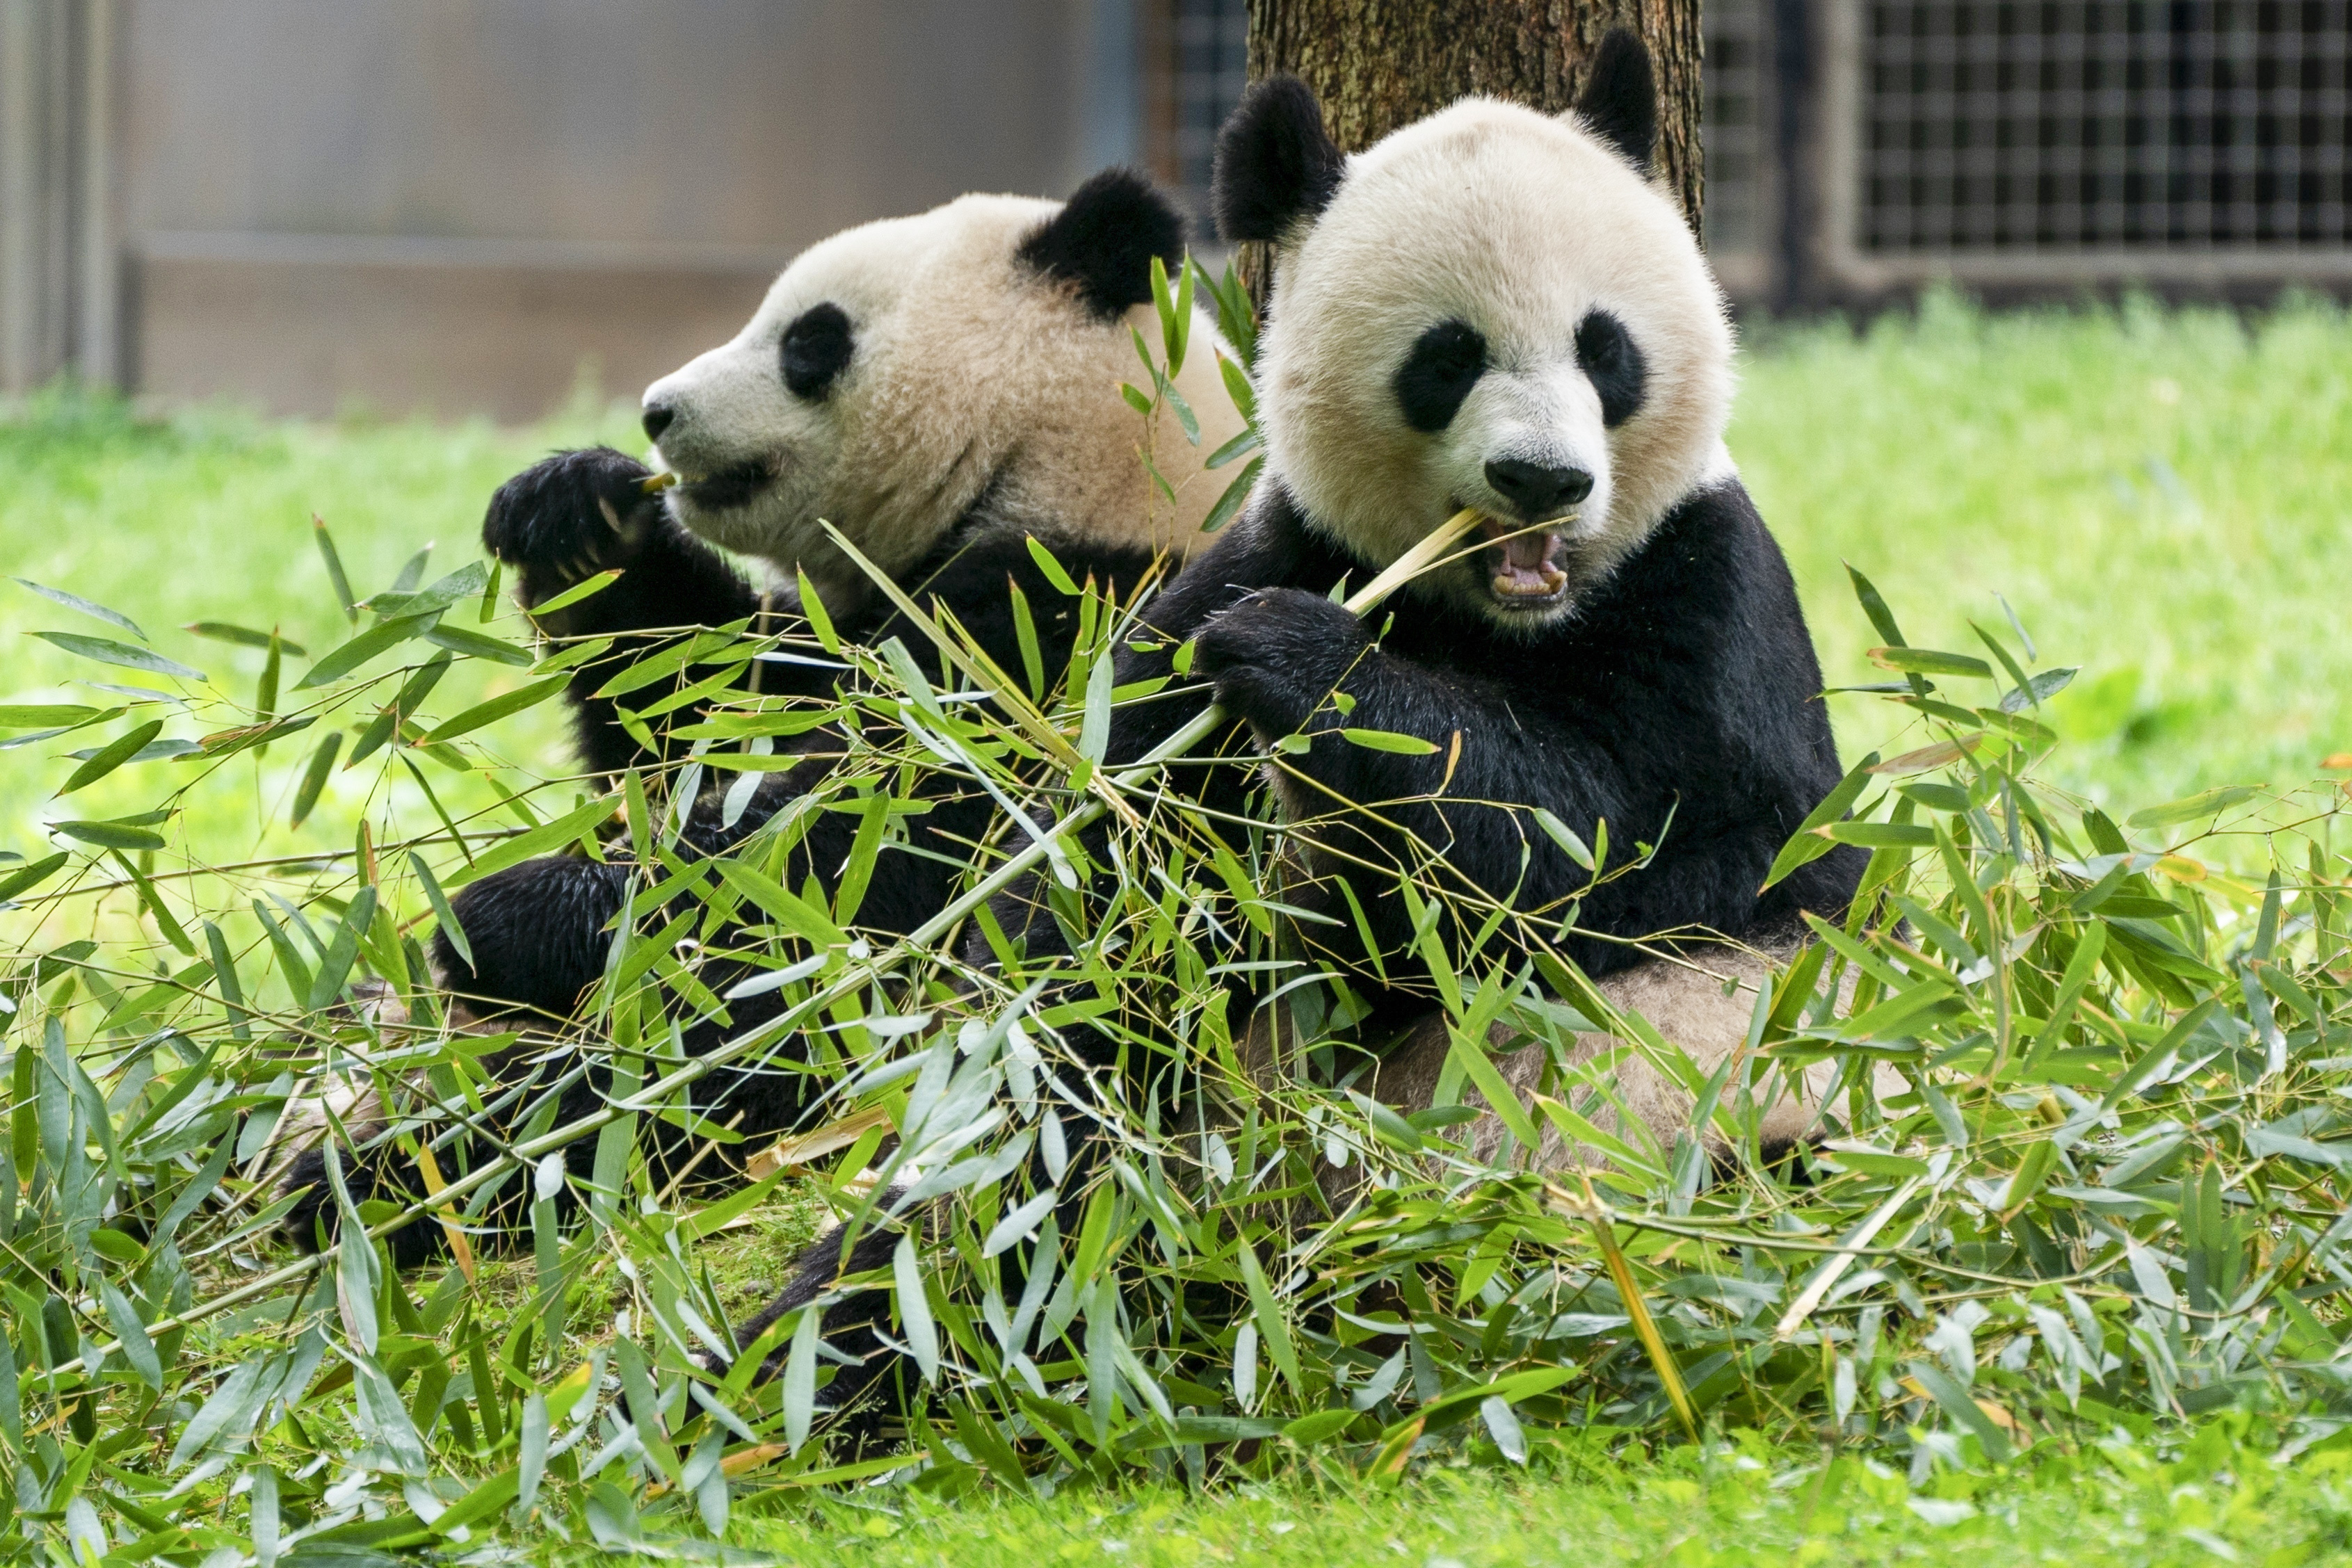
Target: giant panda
{"points": [[942, 389], [1495, 309]]}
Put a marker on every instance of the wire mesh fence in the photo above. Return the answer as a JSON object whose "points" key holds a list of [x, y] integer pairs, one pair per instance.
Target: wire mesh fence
{"points": [[2105, 124], [2044, 143]]}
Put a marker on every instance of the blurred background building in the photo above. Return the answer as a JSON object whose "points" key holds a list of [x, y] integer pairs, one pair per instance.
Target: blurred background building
{"points": [[485, 205]]}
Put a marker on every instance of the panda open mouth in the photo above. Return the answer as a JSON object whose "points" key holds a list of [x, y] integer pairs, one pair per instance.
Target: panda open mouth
{"points": [[1522, 573], [737, 486]]}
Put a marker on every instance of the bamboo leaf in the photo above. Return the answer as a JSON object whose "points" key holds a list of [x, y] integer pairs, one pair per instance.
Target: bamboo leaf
{"points": [[1879, 835], [36, 716], [111, 756], [494, 709], [336, 576], [1238, 388], [1807, 844], [1052, 570], [137, 1348], [120, 833], [1929, 662], [1570, 844], [475, 644], [25, 878], [106, 650], [76, 602], [1480, 1068], [2204, 805], [450, 926], [1230, 503], [800, 1380], [378, 639], [314, 776], [243, 636], [1271, 1326], [1389, 740], [335, 963], [914, 1311], [1234, 449], [568, 829]]}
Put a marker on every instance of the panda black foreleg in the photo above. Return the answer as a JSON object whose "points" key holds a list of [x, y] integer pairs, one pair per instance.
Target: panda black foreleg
{"points": [[876, 1384], [576, 514], [1498, 756], [312, 1219]]}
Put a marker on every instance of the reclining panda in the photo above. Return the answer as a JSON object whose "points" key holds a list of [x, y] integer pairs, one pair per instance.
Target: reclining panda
{"points": [[1497, 310], [942, 389]]}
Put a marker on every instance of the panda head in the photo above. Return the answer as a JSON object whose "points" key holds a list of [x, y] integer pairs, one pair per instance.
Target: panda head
{"points": [[901, 374], [1491, 308]]}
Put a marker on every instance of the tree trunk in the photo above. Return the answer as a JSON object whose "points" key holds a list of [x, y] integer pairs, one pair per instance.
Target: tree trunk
{"points": [[1380, 64]]}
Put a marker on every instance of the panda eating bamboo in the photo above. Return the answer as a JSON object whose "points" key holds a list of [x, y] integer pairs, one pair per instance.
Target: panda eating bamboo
{"points": [[1499, 311], [942, 389]]}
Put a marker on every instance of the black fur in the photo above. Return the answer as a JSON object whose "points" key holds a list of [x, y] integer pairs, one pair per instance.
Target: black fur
{"points": [[1446, 363], [579, 513], [1619, 101], [1275, 164], [1679, 701], [537, 931], [1104, 238], [815, 350], [1612, 362]]}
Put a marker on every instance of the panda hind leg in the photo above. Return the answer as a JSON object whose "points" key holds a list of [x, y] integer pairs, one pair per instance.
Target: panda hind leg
{"points": [[867, 1396], [313, 1221]]}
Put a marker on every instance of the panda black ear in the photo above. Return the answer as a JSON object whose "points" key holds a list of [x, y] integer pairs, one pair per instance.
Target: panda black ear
{"points": [[1619, 102], [1104, 238], [1275, 163]]}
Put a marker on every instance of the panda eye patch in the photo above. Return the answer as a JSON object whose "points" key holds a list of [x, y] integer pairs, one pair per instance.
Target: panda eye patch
{"points": [[1444, 364], [815, 350], [1612, 362]]}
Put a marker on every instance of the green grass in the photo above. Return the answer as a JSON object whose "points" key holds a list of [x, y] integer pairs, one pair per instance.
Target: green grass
{"points": [[2122, 1502], [2161, 497], [206, 516]]}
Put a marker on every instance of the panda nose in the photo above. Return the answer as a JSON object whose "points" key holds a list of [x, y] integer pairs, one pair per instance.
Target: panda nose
{"points": [[658, 416], [1538, 492]]}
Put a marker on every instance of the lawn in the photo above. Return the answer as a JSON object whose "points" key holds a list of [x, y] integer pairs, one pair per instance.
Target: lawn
{"points": [[1740, 1505], [2161, 498], [2155, 495]]}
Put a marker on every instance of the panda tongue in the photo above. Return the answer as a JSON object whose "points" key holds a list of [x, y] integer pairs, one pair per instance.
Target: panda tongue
{"points": [[1526, 569]]}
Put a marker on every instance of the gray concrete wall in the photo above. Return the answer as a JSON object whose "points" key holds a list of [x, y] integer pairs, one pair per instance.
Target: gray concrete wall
{"points": [[457, 205]]}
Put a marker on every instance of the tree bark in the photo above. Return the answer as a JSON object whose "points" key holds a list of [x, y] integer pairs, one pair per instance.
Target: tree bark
{"points": [[1380, 64]]}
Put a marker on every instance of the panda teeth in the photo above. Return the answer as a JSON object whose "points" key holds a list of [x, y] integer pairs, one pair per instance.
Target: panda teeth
{"points": [[1513, 583], [1522, 564]]}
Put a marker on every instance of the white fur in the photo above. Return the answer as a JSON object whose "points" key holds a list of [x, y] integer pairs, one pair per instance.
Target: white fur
{"points": [[1519, 224], [968, 367]]}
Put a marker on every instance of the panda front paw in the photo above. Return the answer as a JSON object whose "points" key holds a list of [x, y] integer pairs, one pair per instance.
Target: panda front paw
{"points": [[570, 516], [1275, 656]]}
